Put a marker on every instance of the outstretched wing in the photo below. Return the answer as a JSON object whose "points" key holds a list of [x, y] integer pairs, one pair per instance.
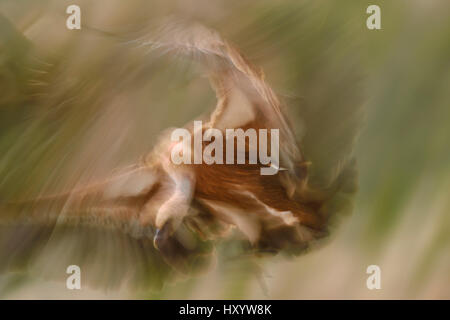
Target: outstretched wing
{"points": [[96, 228], [266, 210], [107, 228], [244, 99], [116, 201]]}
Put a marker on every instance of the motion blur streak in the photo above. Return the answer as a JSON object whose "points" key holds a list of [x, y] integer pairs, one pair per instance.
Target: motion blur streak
{"points": [[76, 104]]}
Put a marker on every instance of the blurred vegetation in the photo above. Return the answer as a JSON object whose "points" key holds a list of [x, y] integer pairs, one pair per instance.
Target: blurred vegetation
{"points": [[331, 71]]}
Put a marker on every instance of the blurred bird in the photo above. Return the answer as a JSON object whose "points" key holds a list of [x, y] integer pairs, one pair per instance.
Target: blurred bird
{"points": [[169, 217]]}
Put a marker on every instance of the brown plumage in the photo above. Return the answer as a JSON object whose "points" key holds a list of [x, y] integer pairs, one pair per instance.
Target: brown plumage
{"points": [[183, 209]]}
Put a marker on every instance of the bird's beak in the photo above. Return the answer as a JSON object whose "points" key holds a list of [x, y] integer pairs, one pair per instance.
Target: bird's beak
{"points": [[161, 235]]}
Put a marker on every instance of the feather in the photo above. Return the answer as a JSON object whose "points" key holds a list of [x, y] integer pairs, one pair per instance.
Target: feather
{"points": [[154, 220]]}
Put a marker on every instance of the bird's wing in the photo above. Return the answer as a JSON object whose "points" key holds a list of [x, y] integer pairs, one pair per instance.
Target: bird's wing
{"points": [[243, 96], [103, 228], [107, 227], [244, 99], [95, 228], [116, 200]]}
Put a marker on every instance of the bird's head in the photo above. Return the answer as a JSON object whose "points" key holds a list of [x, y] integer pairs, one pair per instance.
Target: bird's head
{"points": [[170, 215], [167, 223]]}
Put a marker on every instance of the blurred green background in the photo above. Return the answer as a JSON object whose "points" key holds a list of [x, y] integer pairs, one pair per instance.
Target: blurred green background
{"points": [[390, 85]]}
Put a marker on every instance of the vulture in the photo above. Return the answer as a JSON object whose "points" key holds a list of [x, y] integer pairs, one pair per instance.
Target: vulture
{"points": [[154, 221]]}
